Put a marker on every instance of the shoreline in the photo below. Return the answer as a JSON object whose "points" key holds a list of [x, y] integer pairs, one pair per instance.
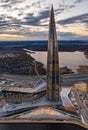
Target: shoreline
{"points": [[43, 47]]}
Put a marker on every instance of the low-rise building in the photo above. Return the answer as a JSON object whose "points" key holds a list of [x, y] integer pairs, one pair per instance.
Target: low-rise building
{"points": [[21, 94]]}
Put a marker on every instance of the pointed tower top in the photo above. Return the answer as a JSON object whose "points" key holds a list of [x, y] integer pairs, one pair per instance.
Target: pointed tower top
{"points": [[52, 20], [52, 62], [51, 6]]}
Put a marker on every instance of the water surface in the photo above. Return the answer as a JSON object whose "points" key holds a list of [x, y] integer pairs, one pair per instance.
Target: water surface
{"points": [[70, 59]]}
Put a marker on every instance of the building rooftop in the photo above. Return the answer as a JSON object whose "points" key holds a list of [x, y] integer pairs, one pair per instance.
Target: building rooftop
{"points": [[39, 86], [44, 112]]}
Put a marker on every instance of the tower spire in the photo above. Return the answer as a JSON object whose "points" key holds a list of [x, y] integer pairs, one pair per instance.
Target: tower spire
{"points": [[52, 20], [52, 61]]}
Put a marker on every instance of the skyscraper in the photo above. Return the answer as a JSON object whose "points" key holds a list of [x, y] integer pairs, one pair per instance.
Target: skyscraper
{"points": [[52, 62]]}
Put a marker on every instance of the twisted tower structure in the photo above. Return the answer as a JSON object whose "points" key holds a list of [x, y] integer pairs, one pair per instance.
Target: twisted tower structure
{"points": [[52, 62]]}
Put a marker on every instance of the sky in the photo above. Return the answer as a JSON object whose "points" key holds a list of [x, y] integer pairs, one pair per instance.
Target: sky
{"points": [[29, 19]]}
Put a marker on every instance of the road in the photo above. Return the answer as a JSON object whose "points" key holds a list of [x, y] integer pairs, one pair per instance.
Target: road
{"points": [[64, 96], [70, 80], [65, 80], [82, 108], [36, 71]]}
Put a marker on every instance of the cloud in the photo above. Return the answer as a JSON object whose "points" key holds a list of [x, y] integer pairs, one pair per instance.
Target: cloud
{"points": [[9, 3], [58, 11], [67, 34], [8, 22], [3, 23], [76, 19], [5, 1], [28, 18], [36, 4], [35, 21], [21, 31], [79, 1], [71, 6], [70, 36], [14, 26]]}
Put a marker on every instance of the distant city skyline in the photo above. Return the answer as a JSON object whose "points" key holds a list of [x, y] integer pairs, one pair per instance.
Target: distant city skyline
{"points": [[28, 20]]}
